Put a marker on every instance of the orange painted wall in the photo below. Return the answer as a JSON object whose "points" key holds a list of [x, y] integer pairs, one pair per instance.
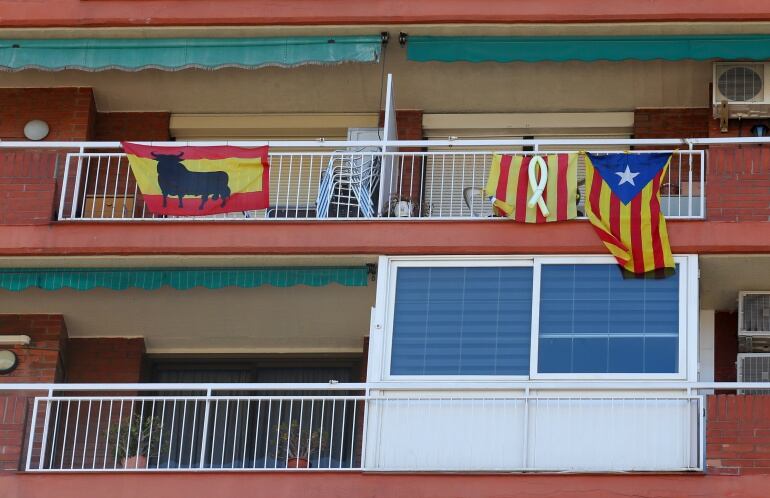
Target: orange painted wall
{"points": [[360, 237], [372, 485], [315, 12]]}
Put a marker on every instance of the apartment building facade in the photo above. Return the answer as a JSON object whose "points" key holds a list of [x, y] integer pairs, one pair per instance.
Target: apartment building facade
{"points": [[376, 328]]}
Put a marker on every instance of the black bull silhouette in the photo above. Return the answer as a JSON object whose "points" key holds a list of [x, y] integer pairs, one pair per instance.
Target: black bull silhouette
{"points": [[176, 180]]}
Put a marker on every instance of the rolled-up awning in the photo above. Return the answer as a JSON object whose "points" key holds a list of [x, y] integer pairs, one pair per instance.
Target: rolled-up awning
{"points": [[173, 54], [18, 279], [586, 48]]}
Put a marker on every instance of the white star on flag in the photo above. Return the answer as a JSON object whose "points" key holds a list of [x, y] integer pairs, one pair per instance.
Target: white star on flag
{"points": [[627, 176]]}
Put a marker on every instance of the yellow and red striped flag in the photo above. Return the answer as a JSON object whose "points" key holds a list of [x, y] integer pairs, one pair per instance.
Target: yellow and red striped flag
{"points": [[623, 205], [196, 181], [510, 187]]}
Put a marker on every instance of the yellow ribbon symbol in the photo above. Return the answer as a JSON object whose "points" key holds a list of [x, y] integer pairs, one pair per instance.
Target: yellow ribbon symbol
{"points": [[538, 184]]}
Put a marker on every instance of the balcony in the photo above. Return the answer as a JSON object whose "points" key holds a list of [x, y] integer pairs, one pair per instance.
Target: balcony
{"points": [[417, 180], [354, 427]]}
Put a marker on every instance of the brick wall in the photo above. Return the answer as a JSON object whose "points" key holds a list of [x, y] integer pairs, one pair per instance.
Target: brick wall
{"points": [[671, 123], [735, 127], [28, 186], [44, 358], [132, 126], [41, 361], [71, 115], [105, 359], [69, 112], [28, 189], [738, 434], [738, 183]]}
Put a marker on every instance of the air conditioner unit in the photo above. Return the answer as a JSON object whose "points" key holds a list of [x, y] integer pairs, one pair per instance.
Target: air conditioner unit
{"points": [[754, 367], [754, 313], [741, 85]]}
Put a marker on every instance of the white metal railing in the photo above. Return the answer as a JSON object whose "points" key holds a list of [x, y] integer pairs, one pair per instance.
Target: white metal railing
{"points": [[389, 426], [319, 180]]}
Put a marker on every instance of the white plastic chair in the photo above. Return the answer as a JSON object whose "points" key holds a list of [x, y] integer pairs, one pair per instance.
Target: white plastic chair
{"points": [[349, 184]]}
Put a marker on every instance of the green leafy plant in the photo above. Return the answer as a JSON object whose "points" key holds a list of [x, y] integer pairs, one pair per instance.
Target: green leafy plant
{"points": [[296, 443], [136, 436]]}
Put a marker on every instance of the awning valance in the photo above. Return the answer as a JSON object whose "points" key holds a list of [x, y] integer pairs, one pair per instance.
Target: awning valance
{"points": [[586, 48], [18, 279], [173, 54]]}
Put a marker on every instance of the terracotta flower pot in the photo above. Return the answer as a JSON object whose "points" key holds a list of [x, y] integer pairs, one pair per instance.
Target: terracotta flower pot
{"points": [[297, 463], [135, 462]]}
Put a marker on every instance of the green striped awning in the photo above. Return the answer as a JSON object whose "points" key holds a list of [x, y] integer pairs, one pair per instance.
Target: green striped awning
{"points": [[586, 48], [173, 54], [18, 279]]}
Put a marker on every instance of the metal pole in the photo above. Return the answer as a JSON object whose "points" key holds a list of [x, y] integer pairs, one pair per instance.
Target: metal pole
{"points": [[205, 428]]}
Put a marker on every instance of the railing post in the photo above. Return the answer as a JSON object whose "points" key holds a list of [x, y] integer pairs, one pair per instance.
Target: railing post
{"points": [[65, 181], [364, 427], [76, 188], [205, 433], [525, 435], [46, 422], [689, 180], [31, 442], [703, 184]]}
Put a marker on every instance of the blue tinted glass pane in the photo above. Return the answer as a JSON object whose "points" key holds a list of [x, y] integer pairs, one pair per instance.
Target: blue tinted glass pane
{"points": [[626, 355], [661, 354], [608, 321], [462, 321], [554, 355], [589, 355]]}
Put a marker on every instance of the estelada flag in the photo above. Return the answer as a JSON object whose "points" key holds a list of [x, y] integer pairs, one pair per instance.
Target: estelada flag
{"points": [[197, 181], [509, 188], [623, 205]]}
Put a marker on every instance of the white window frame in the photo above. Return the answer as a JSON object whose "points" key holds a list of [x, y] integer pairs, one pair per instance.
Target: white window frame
{"points": [[382, 318], [684, 332], [439, 262]]}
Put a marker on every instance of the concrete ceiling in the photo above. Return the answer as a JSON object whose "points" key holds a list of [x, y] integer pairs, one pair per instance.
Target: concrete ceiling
{"points": [[723, 276]]}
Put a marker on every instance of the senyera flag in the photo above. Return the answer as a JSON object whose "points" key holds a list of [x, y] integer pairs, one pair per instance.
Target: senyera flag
{"points": [[623, 205], [510, 187], [198, 181]]}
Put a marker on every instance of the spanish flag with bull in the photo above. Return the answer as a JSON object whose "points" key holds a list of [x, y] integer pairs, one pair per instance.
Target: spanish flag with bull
{"points": [[199, 181]]}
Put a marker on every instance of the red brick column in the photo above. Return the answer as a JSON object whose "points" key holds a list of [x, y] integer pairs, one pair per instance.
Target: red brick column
{"points": [[105, 360], [409, 127], [28, 178], [69, 112], [40, 361], [725, 346], [672, 123], [738, 437], [135, 126], [28, 186]]}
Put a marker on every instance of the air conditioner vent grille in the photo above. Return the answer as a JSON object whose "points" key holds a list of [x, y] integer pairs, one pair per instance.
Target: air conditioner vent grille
{"points": [[741, 83], [754, 368], [755, 312]]}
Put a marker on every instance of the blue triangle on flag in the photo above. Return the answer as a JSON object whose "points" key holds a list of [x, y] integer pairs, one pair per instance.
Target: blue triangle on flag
{"points": [[627, 174]]}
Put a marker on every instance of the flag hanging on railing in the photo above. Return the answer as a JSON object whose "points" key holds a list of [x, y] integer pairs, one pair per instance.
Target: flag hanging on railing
{"points": [[198, 181], [623, 205], [532, 188]]}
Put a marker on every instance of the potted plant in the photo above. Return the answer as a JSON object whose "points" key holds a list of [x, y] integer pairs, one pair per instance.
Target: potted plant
{"points": [[296, 446], [135, 440]]}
